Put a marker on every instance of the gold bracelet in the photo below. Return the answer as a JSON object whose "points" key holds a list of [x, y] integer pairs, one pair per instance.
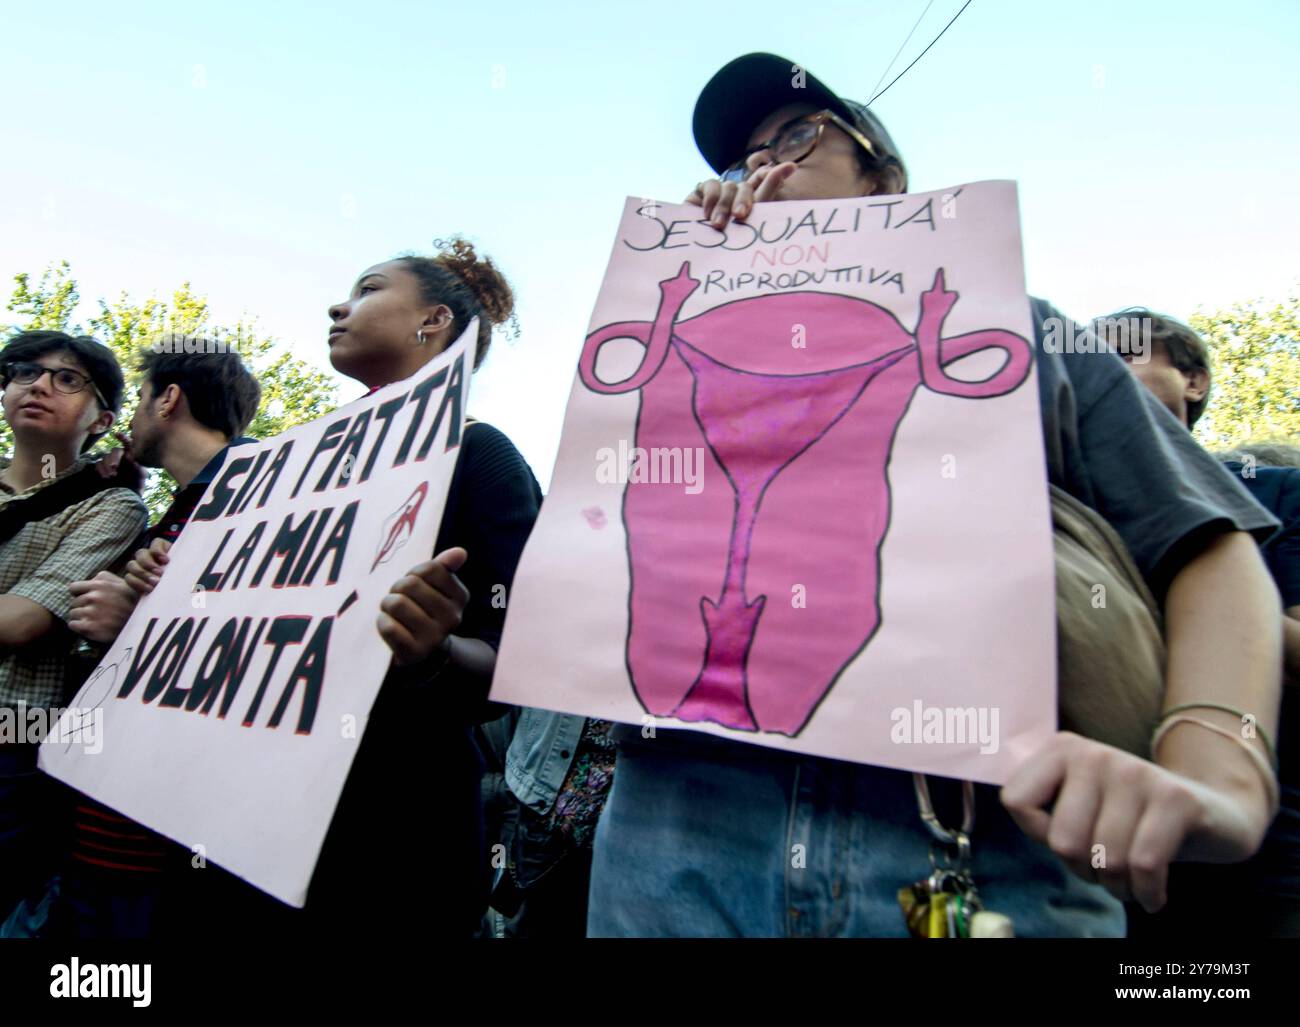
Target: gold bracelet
{"points": [[1261, 764]]}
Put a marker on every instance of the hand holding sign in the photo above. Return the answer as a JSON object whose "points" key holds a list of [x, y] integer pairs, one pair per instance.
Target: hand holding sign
{"points": [[144, 569], [723, 201], [423, 608], [103, 606]]}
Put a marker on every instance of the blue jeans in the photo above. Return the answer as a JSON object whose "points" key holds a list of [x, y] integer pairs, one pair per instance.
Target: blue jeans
{"points": [[711, 838]]}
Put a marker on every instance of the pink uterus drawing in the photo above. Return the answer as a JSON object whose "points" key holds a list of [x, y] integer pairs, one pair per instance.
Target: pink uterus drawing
{"points": [[751, 596]]}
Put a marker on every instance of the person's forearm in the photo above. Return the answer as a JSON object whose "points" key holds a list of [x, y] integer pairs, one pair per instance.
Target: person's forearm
{"points": [[22, 621], [471, 664], [1225, 642], [474, 662], [460, 680]]}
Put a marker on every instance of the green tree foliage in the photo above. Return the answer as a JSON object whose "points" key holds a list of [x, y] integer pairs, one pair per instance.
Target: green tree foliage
{"points": [[49, 305], [292, 390], [1255, 363]]}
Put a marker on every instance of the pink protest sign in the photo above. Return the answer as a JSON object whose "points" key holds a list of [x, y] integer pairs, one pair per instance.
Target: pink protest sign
{"points": [[800, 496]]}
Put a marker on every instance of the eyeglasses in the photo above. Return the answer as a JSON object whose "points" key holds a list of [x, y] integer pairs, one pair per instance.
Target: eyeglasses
{"points": [[795, 140], [64, 379]]}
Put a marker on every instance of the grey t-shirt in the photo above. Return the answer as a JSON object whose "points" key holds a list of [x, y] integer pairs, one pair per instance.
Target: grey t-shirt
{"points": [[1113, 446]]}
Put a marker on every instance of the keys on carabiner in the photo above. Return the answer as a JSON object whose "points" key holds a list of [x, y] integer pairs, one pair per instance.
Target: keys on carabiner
{"points": [[946, 904], [937, 906], [955, 900]]}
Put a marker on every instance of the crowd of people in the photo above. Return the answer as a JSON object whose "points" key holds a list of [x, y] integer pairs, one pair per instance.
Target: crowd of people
{"points": [[525, 822]]}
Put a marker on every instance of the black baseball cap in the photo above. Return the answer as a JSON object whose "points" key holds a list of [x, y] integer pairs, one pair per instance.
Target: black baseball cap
{"points": [[751, 87]]}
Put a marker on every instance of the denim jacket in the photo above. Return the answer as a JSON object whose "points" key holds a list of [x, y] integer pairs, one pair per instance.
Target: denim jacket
{"points": [[540, 755]]}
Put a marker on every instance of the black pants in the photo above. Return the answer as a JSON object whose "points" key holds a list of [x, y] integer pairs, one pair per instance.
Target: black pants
{"points": [[33, 822], [555, 906]]}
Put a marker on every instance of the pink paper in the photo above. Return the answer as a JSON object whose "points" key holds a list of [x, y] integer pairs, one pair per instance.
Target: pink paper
{"points": [[778, 424]]}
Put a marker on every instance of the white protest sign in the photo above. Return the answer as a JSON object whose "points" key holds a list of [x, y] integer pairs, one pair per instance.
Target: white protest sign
{"points": [[234, 699]]}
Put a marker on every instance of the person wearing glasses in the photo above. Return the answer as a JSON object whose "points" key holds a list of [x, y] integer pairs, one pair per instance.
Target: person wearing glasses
{"points": [[61, 520], [829, 149], [196, 400], [707, 836]]}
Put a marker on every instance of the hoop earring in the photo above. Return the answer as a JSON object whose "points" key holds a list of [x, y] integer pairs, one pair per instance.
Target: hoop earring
{"points": [[419, 337]]}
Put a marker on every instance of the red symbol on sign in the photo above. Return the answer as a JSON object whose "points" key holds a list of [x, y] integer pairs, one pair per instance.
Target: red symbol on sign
{"points": [[398, 527]]}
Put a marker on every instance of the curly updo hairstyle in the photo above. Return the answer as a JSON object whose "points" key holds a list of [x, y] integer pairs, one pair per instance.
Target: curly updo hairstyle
{"points": [[472, 286]]}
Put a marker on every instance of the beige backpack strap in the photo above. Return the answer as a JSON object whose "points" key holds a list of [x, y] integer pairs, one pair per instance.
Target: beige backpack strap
{"points": [[1110, 636]]}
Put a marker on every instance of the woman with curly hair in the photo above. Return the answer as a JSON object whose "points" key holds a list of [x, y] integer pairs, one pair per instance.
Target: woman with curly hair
{"points": [[405, 848]]}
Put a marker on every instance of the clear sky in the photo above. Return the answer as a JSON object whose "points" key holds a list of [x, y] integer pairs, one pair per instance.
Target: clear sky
{"points": [[267, 152]]}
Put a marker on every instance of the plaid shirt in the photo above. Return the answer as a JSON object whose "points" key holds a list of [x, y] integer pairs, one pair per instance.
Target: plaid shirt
{"points": [[41, 561]]}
